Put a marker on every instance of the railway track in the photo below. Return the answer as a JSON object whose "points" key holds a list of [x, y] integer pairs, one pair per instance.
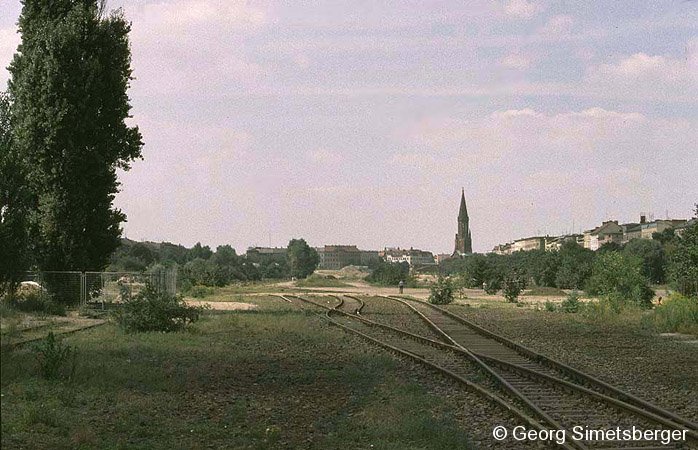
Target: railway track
{"points": [[557, 396]]}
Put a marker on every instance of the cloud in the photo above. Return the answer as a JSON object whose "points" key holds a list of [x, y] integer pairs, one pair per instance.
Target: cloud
{"points": [[324, 156], [642, 75], [195, 47], [523, 9], [557, 26], [237, 14], [517, 60]]}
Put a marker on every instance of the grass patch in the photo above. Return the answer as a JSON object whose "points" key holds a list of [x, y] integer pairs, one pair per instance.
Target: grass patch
{"points": [[321, 281], [545, 291], [266, 378]]}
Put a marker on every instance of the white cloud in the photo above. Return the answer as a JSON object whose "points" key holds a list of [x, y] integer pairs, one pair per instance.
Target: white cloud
{"points": [[325, 156], [642, 75], [517, 60], [237, 14], [522, 8], [557, 26]]}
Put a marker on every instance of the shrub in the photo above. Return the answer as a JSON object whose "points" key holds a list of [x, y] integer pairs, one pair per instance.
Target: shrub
{"points": [[390, 274], [493, 285], [571, 304], [153, 310], [200, 291], [37, 301], [442, 292], [512, 288], [550, 306], [53, 354], [620, 277], [676, 314]]}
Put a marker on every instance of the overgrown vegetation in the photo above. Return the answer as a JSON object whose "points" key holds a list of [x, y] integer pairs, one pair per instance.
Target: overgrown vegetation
{"points": [[677, 313], [513, 285], [156, 310], [619, 278], [441, 293], [389, 274], [316, 280], [571, 303], [244, 380], [55, 357], [36, 302]]}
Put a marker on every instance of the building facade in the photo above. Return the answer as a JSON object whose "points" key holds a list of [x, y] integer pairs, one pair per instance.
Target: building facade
{"points": [[334, 257], [464, 243], [413, 257]]}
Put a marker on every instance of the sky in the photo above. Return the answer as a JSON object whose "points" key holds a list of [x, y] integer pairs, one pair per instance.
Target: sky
{"points": [[358, 122]]}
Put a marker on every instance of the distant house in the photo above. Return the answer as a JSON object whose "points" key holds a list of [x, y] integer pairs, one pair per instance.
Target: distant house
{"points": [[607, 232], [502, 249], [528, 244], [413, 257], [554, 243], [657, 226], [334, 257]]}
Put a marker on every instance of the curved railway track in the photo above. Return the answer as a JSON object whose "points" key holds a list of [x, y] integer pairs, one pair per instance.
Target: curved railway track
{"points": [[551, 388], [559, 396]]}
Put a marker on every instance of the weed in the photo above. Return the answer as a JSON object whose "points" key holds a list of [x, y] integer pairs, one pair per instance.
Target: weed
{"points": [[53, 354], [571, 304], [550, 306]]}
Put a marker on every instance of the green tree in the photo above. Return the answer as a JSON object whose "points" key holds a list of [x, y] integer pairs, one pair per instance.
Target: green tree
{"points": [[683, 264], [302, 259], [513, 285], [14, 205], [665, 236], [619, 275], [575, 266], [389, 273], [68, 83], [652, 255]]}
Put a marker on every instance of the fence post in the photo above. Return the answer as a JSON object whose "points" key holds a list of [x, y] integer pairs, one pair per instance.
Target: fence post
{"points": [[83, 288]]}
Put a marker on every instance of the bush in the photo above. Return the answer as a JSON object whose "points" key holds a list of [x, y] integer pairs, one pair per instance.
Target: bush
{"points": [[200, 291], [676, 314], [390, 274], [442, 292], [620, 277], [153, 310], [512, 288], [38, 302], [493, 285], [53, 354], [571, 304], [550, 306]]}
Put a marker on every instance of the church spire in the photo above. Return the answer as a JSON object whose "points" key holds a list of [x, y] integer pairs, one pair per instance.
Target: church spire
{"points": [[463, 238], [463, 212]]}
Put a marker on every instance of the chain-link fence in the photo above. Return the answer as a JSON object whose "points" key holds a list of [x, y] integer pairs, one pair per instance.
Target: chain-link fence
{"points": [[72, 288]]}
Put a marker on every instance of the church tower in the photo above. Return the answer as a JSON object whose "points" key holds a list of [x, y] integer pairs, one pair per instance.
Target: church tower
{"points": [[464, 242]]}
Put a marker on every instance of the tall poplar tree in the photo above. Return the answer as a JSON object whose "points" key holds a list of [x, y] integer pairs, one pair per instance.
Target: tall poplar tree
{"points": [[68, 84], [14, 203]]}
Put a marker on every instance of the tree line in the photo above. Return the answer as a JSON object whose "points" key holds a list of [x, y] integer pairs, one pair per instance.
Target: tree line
{"points": [[632, 267], [202, 266]]}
